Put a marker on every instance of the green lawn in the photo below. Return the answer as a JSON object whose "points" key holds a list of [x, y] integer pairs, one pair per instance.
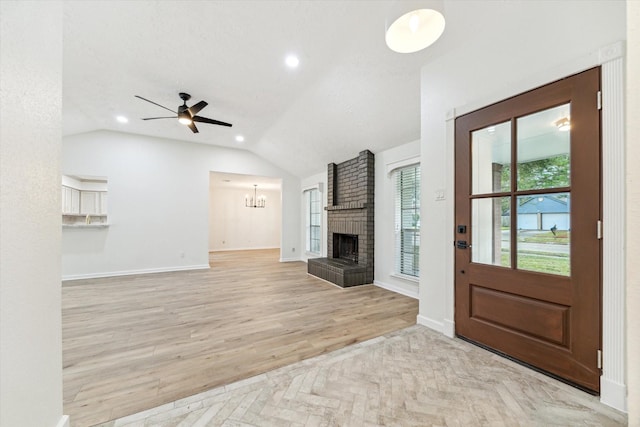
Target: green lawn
{"points": [[533, 261], [561, 238]]}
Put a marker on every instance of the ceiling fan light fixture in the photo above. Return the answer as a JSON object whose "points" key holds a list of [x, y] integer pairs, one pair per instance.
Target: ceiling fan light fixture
{"points": [[414, 25], [184, 119], [186, 115]]}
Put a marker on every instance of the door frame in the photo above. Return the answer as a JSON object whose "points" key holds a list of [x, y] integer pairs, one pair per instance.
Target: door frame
{"points": [[611, 58]]}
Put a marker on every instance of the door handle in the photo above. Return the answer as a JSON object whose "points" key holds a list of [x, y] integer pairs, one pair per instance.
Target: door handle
{"points": [[461, 244]]}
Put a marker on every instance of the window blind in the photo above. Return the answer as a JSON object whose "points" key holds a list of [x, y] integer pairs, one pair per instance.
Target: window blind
{"points": [[407, 205]]}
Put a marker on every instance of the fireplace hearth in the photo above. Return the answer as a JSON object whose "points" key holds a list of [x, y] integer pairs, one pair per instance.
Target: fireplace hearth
{"points": [[350, 204]]}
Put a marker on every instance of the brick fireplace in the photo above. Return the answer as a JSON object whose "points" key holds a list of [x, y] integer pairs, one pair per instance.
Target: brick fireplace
{"points": [[350, 204]]}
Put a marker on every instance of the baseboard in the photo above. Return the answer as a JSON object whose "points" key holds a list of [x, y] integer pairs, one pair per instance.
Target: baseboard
{"points": [[132, 272], [430, 323], [64, 421], [613, 394], [243, 249], [289, 259], [397, 289]]}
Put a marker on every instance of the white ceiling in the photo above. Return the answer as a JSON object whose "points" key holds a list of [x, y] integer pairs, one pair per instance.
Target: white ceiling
{"points": [[349, 93]]}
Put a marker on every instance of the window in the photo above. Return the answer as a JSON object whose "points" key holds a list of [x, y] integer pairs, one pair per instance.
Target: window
{"points": [[408, 220], [313, 220]]}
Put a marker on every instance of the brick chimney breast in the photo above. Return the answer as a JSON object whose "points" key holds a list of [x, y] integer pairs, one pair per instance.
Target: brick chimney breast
{"points": [[350, 213]]}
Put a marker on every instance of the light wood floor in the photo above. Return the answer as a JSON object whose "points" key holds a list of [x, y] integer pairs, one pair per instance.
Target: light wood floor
{"points": [[136, 342]]}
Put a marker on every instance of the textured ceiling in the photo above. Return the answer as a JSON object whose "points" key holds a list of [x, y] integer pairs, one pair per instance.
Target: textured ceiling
{"points": [[349, 93]]}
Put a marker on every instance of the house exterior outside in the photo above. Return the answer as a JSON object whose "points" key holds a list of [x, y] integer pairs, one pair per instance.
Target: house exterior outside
{"points": [[544, 213]]}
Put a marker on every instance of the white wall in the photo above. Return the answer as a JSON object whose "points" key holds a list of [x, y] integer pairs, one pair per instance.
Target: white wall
{"points": [[30, 127], [158, 203], [318, 181], [633, 211], [385, 219], [519, 48], [233, 226]]}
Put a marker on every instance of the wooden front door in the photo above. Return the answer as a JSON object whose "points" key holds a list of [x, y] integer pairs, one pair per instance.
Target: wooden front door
{"points": [[527, 257]]}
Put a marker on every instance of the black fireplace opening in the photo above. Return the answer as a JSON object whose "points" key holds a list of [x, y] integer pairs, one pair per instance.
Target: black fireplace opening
{"points": [[345, 246]]}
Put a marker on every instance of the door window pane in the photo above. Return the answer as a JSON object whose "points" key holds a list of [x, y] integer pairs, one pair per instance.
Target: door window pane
{"points": [[491, 159], [544, 233], [491, 227], [544, 149]]}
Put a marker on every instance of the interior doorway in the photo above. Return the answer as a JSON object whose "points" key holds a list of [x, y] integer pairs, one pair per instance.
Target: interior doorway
{"points": [[245, 212], [528, 209]]}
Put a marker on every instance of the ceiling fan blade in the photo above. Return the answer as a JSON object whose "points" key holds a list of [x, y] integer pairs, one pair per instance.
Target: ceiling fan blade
{"points": [[193, 127], [210, 121], [194, 109], [155, 103], [166, 117]]}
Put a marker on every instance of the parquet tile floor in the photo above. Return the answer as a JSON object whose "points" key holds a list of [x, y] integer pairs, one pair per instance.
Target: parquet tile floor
{"points": [[136, 342], [411, 377]]}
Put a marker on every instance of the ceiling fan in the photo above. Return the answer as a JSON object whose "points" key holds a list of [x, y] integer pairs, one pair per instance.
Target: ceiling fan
{"points": [[186, 115]]}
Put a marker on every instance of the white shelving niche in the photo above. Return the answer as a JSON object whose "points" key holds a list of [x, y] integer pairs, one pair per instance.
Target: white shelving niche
{"points": [[84, 201]]}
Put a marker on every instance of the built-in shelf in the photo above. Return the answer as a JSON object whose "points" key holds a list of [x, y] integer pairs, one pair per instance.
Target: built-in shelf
{"points": [[85, 225], [74, 220], [84, 202], [84, 215]]}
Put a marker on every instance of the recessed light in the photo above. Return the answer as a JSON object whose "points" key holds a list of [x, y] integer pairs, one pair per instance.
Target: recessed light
{"points": [[239, 138], [292, 61], [122, 119]]}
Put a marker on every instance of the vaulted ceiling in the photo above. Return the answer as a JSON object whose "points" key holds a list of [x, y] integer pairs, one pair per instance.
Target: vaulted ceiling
{"points": [[349, 93]]}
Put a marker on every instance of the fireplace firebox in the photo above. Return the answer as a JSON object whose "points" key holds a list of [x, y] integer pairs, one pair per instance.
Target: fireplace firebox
{"points": [[345, 246]]}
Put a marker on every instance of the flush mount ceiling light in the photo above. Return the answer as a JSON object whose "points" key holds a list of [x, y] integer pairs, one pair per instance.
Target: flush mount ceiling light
{"points": [[563, 124], [122, 119], [414, 25]]}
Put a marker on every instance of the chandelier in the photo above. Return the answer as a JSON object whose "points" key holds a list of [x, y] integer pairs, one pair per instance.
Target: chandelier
{"points": [[255, 201]]}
